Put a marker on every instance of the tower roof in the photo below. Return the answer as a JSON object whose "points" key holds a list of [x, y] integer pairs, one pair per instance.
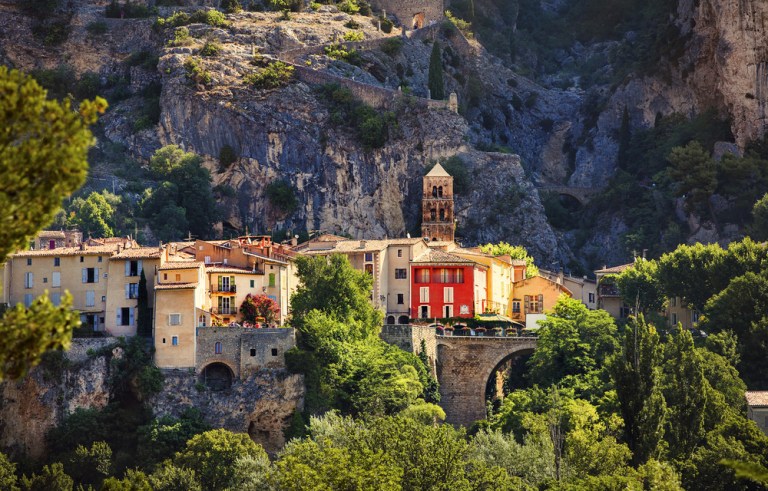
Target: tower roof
{"points": [[438, 171]]}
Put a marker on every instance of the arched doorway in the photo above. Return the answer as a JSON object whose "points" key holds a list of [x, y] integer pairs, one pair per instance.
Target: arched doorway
{"points": [[217, 376], [391, 319], [418, 20], [403, 319]]}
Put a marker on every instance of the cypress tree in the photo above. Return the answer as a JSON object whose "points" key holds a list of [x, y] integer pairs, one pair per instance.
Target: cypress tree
{"points": [[436, 85], [144, 321]]}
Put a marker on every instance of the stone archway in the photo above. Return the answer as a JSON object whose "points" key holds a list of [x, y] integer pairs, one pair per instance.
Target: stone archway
{"points": [[217, 376], [464, 366], [418, 21], [403, 320]]}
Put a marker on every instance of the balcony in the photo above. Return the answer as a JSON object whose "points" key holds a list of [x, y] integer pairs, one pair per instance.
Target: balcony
{"points": [[609, 290], [224, 289], [224, 311]]}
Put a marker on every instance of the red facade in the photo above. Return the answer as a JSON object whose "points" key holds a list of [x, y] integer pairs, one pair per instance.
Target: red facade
{"points": [[442, 290]]}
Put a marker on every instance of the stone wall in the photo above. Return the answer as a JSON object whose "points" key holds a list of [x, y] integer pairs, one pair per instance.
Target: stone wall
{"points": [[81, 347], [409, 338], [243, 350], [405, 10]]}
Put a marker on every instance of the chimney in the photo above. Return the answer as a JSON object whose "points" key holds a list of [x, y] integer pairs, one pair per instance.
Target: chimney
{"points": [[118, 248], [294, 241], [363, 243]]}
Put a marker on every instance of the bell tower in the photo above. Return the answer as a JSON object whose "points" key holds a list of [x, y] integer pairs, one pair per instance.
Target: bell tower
{"points": [[437, 219]]}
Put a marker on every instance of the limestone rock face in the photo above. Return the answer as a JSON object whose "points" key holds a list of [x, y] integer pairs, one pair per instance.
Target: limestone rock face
{"points": [[261, 405]]}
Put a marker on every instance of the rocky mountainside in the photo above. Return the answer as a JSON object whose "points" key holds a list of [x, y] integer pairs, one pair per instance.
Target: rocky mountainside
{"points": [[564, 127]]}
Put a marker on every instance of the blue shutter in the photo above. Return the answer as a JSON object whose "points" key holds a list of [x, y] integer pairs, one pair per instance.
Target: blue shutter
{"points": [[141, 267], [131, 317], [95, 275], [127, 290], [85, 275], [119, 317], [127, 268]]}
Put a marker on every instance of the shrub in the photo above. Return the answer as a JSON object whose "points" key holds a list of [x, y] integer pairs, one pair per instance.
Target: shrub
{"points": [[338, 52], [210, 48], [211, 17], [373, 129], [143, 58], [52, 33], [88, 86], [282, 195], [178, 19], [127, 10], [231, 6], [349, 6], [274, 75], [180, 37], [354, 36], [352, 24], [460, 24], [96, 28], [392, 46], [386, 25], [196, 73], [314, 6], [227, 157]]}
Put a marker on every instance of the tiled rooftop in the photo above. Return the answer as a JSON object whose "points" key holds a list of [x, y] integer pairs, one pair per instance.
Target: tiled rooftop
{"points": [[175, 286], [757, 397], [438, 256], [180, 265]]}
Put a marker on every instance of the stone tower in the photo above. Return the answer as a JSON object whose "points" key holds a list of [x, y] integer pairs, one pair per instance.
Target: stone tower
{"points": [[437, 219]]}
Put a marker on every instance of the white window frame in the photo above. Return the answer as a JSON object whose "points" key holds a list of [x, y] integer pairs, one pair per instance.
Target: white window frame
{"points": [[29, 280], [55, 279], [174, 340], [90, 298], [174, 319], [448, 294], [424, 294]]}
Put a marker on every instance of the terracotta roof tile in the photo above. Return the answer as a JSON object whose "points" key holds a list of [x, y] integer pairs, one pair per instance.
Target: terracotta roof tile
{"points": [[69, 251], [438, 256], [757, 397], [615, 269], [175, 286], [138, 253], [180, 265]]}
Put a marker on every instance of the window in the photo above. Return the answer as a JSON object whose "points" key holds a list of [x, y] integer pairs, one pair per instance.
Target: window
{"points": [[369, 269], [82, 259], [125, 316], [534, 304], [174, 319], [217, 348], [103, 298], [27, 299], [225, 306], [90, 275], [422, 276], [178, 277], [448, 295], [56, 262], [271, 280], [400, 299], [29, 280], [673, 301], [274, 351], [424, 313], [591, 298], [695, 317], [253, 351], [448, 311], [29, 261], [90, 298], [253, 283], [165, 276], [100, 259], [516, 306], [132, 290], [624, 312], [207, 259], [175, 341], [201, 321], [399, 253], [369, 257], [401, 274], [424, 294], [674, 319], [133, 268], [442, 215], [433, 214], [45, 280], [434, 191], [56, 298]]}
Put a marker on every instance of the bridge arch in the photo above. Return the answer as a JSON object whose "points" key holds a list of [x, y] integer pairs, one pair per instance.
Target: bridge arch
{"points": [[464, 366]]}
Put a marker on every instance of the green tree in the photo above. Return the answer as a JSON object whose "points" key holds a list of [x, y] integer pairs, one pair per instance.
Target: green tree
{"points": [[51, 478], [685, 391], [90, 466], [163, 437], [93, 215], [43, 155], [640, 286], [689, 272], [759, 228], [515, 252], [134, 480], [168, 477], [636, 375], [695, 173], [436, 82], [144, 317], [211, 455], [573, 347], [28, 333], [8, 477]]}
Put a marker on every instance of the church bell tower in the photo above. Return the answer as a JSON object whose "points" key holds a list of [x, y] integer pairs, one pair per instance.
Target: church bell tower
{"points": [[437, 219]]}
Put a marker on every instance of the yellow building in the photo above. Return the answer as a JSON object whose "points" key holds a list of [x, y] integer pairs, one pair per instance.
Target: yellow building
{"points": [[583, 288], [82, 271], [498, 279], [125, 268], [179, 297], [532, 297]]}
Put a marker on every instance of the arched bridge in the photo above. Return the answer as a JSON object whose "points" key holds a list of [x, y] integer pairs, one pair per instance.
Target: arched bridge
{"points": [[464, 366], [582, 195]]}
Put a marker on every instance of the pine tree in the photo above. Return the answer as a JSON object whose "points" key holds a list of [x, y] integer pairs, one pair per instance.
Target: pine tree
{"points": [[144, 321], [436, 85], [636, 374]]}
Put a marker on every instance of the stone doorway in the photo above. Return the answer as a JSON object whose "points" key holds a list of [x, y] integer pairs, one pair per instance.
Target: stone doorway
{"points": [[217, 376], [418, 21]]}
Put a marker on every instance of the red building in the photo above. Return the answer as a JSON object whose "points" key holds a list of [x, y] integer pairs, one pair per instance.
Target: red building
{"points": [[445, 285]]}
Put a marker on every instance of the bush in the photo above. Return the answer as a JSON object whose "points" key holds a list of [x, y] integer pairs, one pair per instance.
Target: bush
{"points": [[127, 10], [338, 52], [196, 73], [211, 17], [52, 33], [227, 157], [180, 37], [210, 48], [354, 36], [96, 28], [274, 75], [392, 46], [231, 6], [349, 6], [386, 25], [282, 195], [144, 58], [373, 129]]}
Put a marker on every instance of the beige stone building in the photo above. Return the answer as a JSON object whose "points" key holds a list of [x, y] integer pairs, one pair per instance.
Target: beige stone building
{"points": [[387, 261], [583, 288], [757, 408], [532, 297], [125, 268]]}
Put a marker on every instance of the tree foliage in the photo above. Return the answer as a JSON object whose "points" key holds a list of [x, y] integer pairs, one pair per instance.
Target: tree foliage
{"points": [[435, 78], [640, 287], [515, 252], [255, 306]]}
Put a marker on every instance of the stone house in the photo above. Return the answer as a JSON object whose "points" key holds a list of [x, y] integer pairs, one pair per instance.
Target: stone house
{"points": [[757, 408], [582, 288], [532, 297]]}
